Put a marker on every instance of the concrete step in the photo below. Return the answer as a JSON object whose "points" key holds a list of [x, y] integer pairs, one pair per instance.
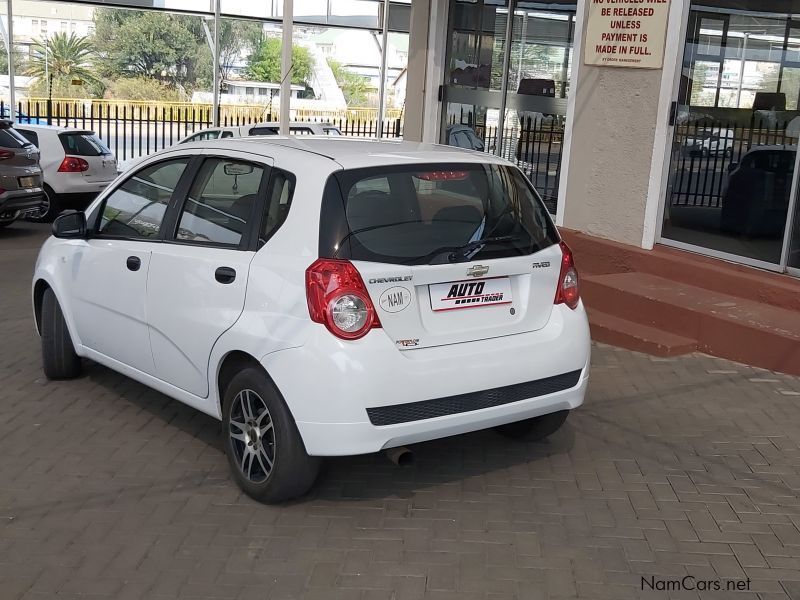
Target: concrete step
{"points": [[723, 325], [617, 331], [596, 256]]}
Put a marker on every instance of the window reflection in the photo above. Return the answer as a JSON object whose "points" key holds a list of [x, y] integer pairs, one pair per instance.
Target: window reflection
{"points": [[736, 131]]}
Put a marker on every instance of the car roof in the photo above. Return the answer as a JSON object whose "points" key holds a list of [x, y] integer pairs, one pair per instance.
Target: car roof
{"points": [[353, 153], [55, 128], [773, 148], [293, 124]]}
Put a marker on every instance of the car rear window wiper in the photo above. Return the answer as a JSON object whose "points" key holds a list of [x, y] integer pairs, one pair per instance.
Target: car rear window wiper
{"points": [[355, 232], [466, 251]]}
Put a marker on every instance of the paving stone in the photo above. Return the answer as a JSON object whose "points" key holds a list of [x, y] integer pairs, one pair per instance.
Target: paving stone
{"points": [[686, 466]]}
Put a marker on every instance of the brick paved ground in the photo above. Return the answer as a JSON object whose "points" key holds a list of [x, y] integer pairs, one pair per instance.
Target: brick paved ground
{"points": [[674, 467]]}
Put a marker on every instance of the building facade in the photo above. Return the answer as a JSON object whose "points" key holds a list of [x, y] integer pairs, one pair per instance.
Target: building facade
{"points": [[697, 151]]}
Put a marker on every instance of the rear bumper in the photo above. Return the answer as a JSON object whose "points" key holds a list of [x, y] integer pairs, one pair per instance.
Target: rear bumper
{"points": [[361, 397], [20, 201]]}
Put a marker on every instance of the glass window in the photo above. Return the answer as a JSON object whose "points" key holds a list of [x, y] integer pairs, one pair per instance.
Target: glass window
{"points": [[136, 208], [220, 202], [264, 131], [31, 136], [736, 128], [281, 191], [10, 138], [83, 144], [422, 215]]}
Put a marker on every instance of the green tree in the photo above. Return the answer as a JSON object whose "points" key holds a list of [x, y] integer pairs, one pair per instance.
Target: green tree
{"points": [[235, 38], [355, 87], [265, 63], [63, 59], [18, 61], [145, 44]]}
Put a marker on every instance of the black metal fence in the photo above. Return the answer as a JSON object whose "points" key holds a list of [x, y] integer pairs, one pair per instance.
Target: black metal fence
{"points": [[705, 152], [135, 131], [534, 143]]}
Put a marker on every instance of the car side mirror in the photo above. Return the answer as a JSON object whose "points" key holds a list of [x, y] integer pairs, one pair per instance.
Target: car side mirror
{"points": [[69, 225]]}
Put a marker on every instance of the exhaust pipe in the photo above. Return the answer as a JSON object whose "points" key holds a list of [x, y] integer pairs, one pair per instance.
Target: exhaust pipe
{"points": [[401, 456]]}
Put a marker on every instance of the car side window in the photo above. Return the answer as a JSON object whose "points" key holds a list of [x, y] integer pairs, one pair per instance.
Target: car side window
{"points": [[279, 199], [227, 134], [31, 136], [264, 131], [136, 208], [220, 202]]}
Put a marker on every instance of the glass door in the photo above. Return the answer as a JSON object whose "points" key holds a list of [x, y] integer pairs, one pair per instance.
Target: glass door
{"points": [[736, 125], [507, 84]]}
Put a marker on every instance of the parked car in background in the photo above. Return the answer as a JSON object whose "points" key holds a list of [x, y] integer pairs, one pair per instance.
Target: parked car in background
{"points": [[322, 297], [269, 128], [755, 198], [712, 141], [77, 166], [21, 190], [255, 129]]}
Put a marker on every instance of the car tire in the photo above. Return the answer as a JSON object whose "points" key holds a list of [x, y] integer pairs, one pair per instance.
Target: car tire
{"points": [[52, 208], [265, 451], [705, 153], [59, 359], [535, 429], [6, 223]]}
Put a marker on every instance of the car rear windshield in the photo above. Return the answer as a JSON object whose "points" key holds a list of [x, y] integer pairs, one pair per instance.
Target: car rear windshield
{"points": [[11, 138], [432, 214], [83, 144]]}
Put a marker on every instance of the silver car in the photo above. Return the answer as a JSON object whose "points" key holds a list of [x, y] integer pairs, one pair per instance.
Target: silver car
{"points": [[21, 190]]}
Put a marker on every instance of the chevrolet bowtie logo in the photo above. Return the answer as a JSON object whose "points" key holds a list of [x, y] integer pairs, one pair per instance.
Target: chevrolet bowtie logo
{"points": [[478, 271]]}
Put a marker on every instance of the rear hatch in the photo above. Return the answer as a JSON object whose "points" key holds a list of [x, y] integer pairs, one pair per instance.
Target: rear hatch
{"points": [[19, 160], [89, 147], [449, 253]]}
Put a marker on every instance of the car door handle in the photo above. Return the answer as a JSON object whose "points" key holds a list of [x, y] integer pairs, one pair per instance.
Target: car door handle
{"points": [[134, 263], [225, 275]]}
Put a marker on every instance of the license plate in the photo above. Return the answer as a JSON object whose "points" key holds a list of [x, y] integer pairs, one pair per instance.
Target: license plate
{"points": [[473, 293], [27, 182]]}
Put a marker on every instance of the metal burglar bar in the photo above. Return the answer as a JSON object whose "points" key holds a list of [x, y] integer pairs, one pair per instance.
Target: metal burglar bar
{"points": [[705, 152], [136, 131], [536, 146]]}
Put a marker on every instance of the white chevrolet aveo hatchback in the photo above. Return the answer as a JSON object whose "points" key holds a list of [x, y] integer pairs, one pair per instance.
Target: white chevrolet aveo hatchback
{"points": [[322, 297]]}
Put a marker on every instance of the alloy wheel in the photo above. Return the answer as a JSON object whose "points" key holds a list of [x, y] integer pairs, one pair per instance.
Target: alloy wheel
{"points": [[252, 436]]}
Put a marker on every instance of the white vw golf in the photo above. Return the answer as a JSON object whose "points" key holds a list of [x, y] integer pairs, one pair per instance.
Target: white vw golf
{"points": [[322, 297]]}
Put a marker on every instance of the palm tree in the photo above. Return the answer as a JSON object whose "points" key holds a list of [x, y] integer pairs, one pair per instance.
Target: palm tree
{"points": [[64, 57]]}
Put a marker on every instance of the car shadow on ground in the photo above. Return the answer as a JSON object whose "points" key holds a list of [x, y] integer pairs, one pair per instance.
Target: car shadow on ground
{"points": [[455, 460], [19, 230]]}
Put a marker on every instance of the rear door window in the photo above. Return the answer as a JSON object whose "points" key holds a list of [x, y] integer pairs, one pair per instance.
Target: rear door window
{"points": [[83, 144], [219, 209], [432, 214]]}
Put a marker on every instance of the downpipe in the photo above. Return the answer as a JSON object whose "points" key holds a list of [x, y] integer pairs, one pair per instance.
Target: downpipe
{"points": [[400, 456]]}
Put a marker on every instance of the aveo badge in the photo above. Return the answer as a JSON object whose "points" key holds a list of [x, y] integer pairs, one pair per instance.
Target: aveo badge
{"points": [[395, 299]]}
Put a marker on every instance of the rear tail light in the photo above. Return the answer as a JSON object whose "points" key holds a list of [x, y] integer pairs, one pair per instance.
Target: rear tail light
{"points": [[6, 154], [338, 298], [73, 164], [567, 292]]}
